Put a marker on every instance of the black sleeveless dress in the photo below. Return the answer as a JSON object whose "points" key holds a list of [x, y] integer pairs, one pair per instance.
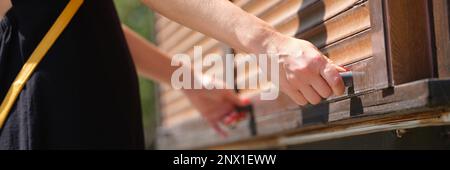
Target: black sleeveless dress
{"points": [[84, 93]]}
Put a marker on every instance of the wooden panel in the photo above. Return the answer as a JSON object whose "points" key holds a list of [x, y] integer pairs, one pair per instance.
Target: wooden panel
{"points": [[195, 132], [405, 101], [409, 40], [442, 36], [389, 40], [379, 64]]}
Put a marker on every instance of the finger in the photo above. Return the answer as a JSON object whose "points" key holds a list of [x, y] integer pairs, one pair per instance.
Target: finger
{"points": [[321, 87], [334, 80], [309, 93], [340, 69], [230, 118], [296, 96]]}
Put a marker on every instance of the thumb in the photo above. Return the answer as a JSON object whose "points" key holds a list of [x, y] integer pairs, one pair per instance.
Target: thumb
{"points": [[341, 69]]}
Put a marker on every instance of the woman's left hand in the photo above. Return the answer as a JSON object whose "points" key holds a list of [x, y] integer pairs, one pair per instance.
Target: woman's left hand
{"points": [[215, 105]]}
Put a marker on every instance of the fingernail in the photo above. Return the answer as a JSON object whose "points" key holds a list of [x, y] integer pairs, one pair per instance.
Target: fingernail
{"points": [[246, 101]]}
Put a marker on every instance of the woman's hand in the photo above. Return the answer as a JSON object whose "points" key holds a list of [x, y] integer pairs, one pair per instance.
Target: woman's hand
{"points": [[214, 105], [306, 75]]}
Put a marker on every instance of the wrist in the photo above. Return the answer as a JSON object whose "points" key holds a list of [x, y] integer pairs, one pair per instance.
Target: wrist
{"points": [[266, 42], [255, 36]]}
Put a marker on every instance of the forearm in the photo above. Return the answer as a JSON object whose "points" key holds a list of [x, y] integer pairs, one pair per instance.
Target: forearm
{"points": [[149, 60], [219, 19], [4, 7]]}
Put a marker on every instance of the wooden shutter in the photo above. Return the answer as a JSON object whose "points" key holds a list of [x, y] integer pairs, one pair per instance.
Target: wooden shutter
{"points": [[391, 41]]}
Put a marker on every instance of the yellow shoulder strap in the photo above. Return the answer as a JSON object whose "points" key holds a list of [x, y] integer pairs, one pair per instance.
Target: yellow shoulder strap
{"points": [[38, 54]]}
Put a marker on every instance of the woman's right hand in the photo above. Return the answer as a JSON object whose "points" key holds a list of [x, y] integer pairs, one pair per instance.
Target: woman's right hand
{"points": [[306, 75]]}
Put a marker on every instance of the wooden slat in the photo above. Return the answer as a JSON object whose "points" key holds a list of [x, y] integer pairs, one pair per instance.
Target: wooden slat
{"points": [[167, 31], [314, 15], [176, 106], [442, 36], [257, 7], [175, 38], [187, 43], [172, 95], [352, 49], [340, 27], [409, 40], [287, 9], [241, 2], [161, 23]]}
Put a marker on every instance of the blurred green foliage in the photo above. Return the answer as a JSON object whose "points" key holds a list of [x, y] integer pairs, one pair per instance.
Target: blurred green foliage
{"points": [[141, 19]]}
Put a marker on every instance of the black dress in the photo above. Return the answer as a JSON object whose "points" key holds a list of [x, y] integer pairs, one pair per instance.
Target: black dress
{"points": [[84, 93]]}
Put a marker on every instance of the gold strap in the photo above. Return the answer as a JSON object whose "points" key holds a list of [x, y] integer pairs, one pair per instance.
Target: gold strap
{"points": [[38, 54]]}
